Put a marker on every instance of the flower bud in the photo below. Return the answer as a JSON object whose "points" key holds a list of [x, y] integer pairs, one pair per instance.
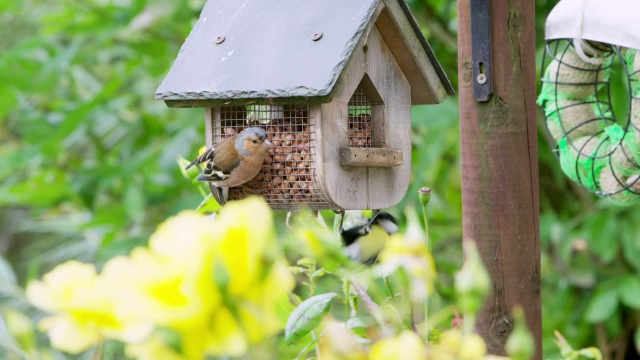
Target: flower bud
{"points": [[472, 348], [472, 282], [424, 194], [520, 345]]}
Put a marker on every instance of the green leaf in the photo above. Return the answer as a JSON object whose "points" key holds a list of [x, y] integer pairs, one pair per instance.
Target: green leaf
{"points": [[629, 291], [120, 247], [134, 201], [7, 275], [357, 326], [171, 338], [603, 236], [306, 316], [208, 205], [591, 353], [631, 245], [602, 305]]}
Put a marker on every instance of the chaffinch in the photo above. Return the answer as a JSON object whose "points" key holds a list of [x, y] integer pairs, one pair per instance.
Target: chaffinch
{"points": [[234, 161], [365, 242]]}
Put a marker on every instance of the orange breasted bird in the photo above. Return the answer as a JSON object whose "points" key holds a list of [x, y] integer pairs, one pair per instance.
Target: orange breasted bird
{"points": [[234, 161]]}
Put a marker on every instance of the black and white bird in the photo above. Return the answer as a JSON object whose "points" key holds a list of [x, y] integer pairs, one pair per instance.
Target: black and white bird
{"points": [[365, 242]]}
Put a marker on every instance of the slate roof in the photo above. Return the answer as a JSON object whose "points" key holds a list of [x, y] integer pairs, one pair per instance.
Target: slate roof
{"points": [[268, 49]]}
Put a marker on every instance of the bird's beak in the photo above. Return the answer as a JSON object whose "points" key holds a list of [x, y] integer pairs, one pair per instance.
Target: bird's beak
{"points": [[269, 144]]}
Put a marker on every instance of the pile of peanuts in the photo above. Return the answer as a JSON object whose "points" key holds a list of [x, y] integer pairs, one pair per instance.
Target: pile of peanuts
{"points": [[288, 171], [360, 131]]}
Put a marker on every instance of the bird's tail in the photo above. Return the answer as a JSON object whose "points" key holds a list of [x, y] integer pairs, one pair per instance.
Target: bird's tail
{"points": [[190, 165], [221, 194], [207, 155]]}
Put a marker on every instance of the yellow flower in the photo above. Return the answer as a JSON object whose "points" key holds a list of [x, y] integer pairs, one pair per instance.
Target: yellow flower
{"points": [[462, 346], [409, 252], [83, 312], [243, 231], [259, 317], [19, 327], [215, 285], [414, 258], [170, 283], [158, 290], [317, 242], [152, 349], [339, 343], [406, 346], [253, 276], [473, 348], [186, 240], [225, 334]]}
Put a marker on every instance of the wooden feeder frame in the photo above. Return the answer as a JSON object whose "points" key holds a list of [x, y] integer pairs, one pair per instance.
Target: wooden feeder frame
{"points": [[342, 102]]}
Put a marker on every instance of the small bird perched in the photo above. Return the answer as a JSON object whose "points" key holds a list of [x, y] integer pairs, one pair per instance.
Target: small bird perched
{"points": [[234, 161], [365, 242]]}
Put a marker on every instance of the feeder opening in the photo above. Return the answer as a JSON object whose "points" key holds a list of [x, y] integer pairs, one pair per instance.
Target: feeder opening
{"points": [[287, 180], [360, 129]]}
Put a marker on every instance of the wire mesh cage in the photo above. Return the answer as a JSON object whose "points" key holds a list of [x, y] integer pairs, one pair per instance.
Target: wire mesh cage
{"points": [[287, 180], [360, 130], [597, 145]]}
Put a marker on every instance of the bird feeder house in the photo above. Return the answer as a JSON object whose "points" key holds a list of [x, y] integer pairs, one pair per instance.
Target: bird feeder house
{"points": [[332, 83]]}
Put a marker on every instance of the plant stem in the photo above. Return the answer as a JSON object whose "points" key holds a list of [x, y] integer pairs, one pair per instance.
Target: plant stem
{"points": [[373, 308], [388, 285], [346, 290], [424, 194], [315, 338], [97, 355]]}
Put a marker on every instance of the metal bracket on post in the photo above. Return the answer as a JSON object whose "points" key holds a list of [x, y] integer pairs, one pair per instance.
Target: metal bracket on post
{"points": [[481, 49]]}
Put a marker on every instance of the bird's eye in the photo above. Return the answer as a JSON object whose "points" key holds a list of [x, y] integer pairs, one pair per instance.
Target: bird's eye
{"points": [[255, 141]]}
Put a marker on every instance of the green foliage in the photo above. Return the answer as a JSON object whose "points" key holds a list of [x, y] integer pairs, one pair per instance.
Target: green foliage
{"points": [[87, 159], [86, 153], [568, 353], [306, 316]]}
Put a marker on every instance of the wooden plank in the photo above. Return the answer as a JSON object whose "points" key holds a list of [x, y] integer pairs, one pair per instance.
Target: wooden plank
{"points": [[369, 187], [208, 126], [388, 186], [426, 87], [318, 143], [500, 169], [375, 157], [346, 186]]}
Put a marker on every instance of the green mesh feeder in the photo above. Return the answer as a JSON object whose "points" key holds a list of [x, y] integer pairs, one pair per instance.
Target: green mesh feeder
{"points": [[620, 190], [632, 59], [574, 118], [625, 150], [596, 147], [583, 159]]}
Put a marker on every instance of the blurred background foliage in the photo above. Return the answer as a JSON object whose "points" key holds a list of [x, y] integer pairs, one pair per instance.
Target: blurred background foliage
{"points": [[88, 160]]}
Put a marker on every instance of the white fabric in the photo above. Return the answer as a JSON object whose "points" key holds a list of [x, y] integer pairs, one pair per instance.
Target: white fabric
{"points": [[615, 22]]}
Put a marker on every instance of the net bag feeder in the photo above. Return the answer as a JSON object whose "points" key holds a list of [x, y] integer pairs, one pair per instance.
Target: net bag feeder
{"points": [[332, 83], [586, 42]]}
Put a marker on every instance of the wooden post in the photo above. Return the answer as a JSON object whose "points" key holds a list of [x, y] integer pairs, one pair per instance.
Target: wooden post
{"points": [[500, 168]]}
